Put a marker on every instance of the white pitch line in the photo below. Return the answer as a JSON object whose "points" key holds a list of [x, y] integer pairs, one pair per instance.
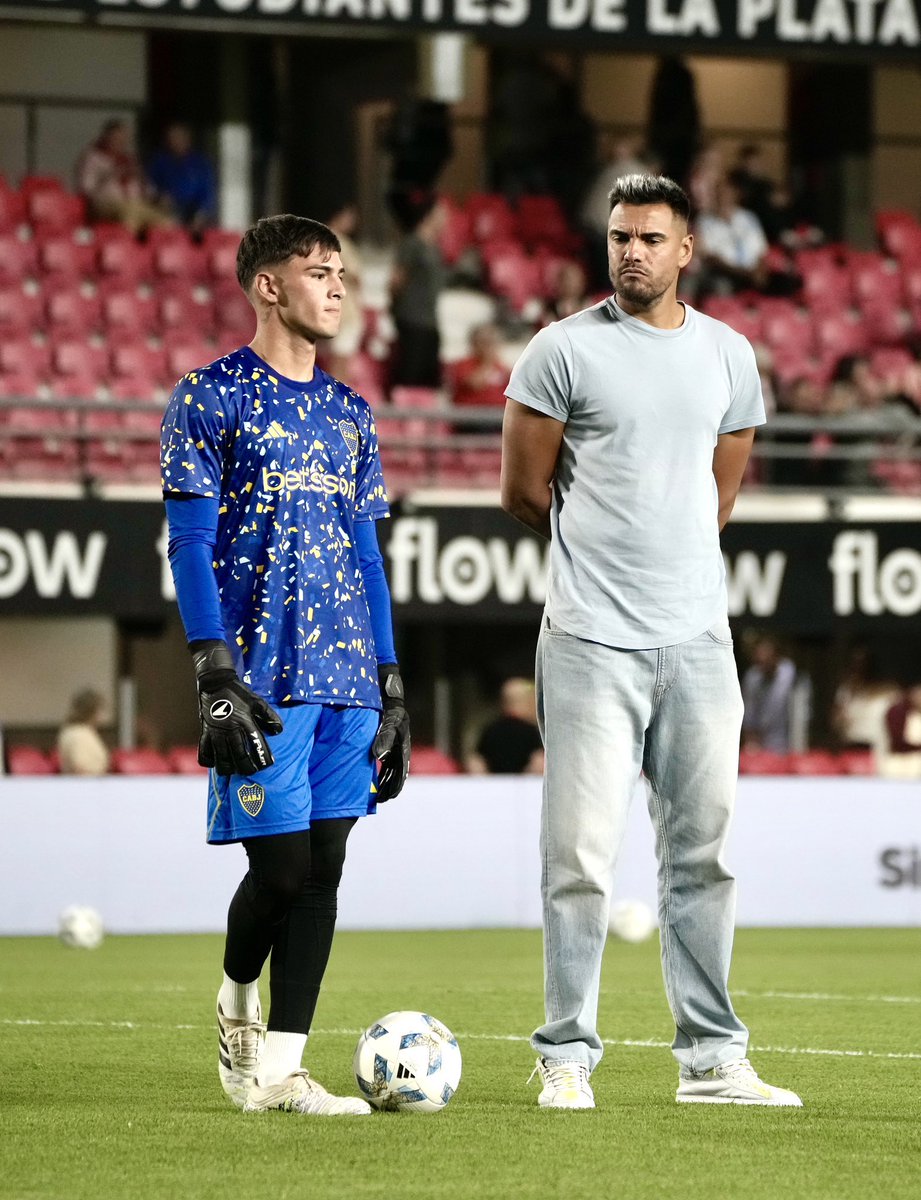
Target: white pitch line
{"points": [[630, 1043], [827, 996]]}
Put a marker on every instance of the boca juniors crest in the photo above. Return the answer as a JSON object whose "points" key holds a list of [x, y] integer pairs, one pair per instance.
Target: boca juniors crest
{"points": [[349, 431], [252, 797]]}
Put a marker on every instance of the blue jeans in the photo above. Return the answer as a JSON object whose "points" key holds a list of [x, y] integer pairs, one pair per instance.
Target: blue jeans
{"points": [[606, 714]]}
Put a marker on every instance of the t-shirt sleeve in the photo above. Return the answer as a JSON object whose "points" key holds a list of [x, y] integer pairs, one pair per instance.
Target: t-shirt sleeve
{"points": [[194, 438], [746, 405], [542, 378], [370, 489]]}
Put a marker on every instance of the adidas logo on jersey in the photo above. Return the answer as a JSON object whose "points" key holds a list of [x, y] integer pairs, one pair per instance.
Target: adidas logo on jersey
{"points": [[276, 432]]}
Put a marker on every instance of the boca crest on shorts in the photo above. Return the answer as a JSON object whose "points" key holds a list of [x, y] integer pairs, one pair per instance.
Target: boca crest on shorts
{"points": [[323, 769]]}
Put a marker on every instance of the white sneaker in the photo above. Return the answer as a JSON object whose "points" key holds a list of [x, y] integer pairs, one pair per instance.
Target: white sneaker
{"points": [[565, 1084], [301, 1094], [734, 1082], [239, 1049]]}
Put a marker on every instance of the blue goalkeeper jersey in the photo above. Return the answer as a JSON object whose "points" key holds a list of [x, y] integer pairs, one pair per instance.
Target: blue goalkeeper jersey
{"points": [[294, 466]]}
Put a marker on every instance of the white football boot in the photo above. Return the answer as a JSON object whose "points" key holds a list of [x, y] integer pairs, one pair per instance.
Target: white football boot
{"points": [[565, 1083], [734, 1082], [301, 1094], [239, 1049]]}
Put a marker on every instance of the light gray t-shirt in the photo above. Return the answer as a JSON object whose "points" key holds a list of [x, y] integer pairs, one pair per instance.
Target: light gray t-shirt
{"points": [[635, 558]]}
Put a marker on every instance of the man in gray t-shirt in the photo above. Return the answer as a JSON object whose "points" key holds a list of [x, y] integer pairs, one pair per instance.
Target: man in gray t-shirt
{"points": [[627, 431]]}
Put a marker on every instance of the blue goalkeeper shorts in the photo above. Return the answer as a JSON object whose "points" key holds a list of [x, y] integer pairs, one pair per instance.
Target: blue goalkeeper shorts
{"points": [[323, 768]]}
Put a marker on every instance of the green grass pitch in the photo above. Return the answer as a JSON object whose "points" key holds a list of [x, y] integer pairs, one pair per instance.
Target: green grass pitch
{"points": [[109, 1088]]}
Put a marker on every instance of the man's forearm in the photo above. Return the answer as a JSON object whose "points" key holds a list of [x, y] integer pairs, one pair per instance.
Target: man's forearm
{"points": [[530, 512]]}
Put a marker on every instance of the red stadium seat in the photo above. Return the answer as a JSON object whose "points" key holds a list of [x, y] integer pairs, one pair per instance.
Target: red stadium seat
{"points": [[814, 762], [885, 324], [26, 384], [179, 309], [140, 762], [542, 222], [101, 422], [12, 208], [135, 360], [233, 314], [515, 277], [125, 311], [70, 310], [20, 310], [183, 354], [827, 286], [108, 460], [18, 259], [29, 760], [429, 760], [23, 354], [875, 280], [220, 252], [50, 209], [839, 334], [119, 254], [44, 459], [490, 216], [857, 762], [899, 233], [455, 235], [59, 255], [183, 760], [787, 329], [175, 256], [763, 762]]}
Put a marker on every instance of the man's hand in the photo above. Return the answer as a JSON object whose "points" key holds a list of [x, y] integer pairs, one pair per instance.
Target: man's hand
{"points": [[234, 719], [392, 745]]}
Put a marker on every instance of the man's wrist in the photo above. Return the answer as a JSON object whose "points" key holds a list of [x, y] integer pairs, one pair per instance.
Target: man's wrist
{"points": [[214, 665]]}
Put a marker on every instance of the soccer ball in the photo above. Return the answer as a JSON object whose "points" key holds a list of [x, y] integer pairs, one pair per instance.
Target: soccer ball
{"points": [[407, 1061], [631, 920], [80, 926]]}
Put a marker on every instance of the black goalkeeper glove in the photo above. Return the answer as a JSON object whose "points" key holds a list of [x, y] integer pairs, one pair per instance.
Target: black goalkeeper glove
{"points": [[391, 745], [233, 718]]}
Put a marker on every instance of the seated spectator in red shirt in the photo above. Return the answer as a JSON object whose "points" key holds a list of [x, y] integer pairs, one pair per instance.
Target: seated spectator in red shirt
{"points": [[481, 378], [903, 726], [109, 176]]}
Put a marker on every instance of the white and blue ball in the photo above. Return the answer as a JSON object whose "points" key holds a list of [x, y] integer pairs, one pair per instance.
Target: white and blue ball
{"points": [[407, 1062], [632, 920]]}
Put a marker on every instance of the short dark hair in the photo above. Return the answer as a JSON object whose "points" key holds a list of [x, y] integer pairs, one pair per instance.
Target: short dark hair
{"points": [[273, 240], [650, 189]]}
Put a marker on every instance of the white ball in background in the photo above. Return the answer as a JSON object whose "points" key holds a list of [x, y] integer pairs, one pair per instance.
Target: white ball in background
{"points": [[81, 926], [632, 920]]}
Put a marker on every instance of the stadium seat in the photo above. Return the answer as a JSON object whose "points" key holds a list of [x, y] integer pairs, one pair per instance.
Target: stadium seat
{"points": [[175, 256], [814, 762], [29, 760], [18, 259], [183, 353], [787, 329], [542, 222], [120, 255], [24, 384], [826, 286], [51, 209], [763, 762], [234, 318], [885, 324], [899, 233], [178, 309], [455, 235], [133, 360], [65, 259], [857, 762], [839, 334], [490, 216], [71, 310], [429, 760], [140, 762], [40, 459], [108, 460], [20, 309], [101, 421], [875, 280], [12, 208], [220, 253], [125, 311], [515, 277], [183, 760]]}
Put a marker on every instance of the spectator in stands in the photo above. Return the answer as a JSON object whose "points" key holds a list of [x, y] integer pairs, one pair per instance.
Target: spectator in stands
{"points": [[110, 178], [861, 703], [183, 179], [340, 351], [731, 245], [479, 380], [619, 156], [569, 293], [778, 700], [415, 284], [511, 744], [81, 749], [768, 199], [902, 755]]}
